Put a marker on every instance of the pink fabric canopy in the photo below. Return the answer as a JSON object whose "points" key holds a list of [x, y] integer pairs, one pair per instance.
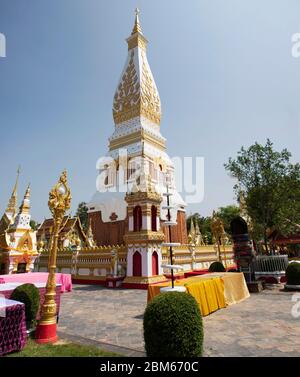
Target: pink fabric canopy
{"points": [[39, 277]]}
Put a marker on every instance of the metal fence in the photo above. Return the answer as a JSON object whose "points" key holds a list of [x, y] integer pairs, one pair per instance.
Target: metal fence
{"points": [[272, 263]]}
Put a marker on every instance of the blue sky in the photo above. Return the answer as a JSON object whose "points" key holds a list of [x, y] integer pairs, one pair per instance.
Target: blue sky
{"points": [[224, 71]]}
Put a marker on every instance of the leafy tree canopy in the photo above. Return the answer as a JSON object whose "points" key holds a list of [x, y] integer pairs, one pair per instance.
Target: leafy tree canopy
{"points": [[82, 213], [271, 186], [226, 214], [33, 224]]}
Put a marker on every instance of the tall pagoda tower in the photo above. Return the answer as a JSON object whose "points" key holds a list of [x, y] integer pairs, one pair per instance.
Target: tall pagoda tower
{"points": [[137, 151]]}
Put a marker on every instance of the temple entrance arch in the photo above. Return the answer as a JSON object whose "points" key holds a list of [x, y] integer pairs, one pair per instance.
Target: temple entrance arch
{"points": [[153, 218], [21, 268], [137, 218], [137, 264], [154, 263]]}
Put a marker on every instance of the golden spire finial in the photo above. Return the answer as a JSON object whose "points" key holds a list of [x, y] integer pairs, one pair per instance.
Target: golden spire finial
{"points": [[197, 229], [25, 206], [90, 235], [137, 27], [27, 193], [192, 229], [12, 206]]}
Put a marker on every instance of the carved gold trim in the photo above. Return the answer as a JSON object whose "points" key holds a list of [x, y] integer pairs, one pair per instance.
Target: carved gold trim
{"points": [[144, 279], [135, 138], [140, 196], [25, 238], [135, 111], [143, 236], [136, 96], [137, 40]]}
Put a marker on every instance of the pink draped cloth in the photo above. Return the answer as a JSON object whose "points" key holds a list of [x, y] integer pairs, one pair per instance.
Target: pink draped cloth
{"points": [[39, 277]]}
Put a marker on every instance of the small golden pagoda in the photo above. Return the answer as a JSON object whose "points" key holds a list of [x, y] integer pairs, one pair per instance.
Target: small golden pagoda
{"points": [[17, 238]]}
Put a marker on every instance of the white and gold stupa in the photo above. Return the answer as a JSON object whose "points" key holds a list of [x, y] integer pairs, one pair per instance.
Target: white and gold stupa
{"points": [[137, 116]]}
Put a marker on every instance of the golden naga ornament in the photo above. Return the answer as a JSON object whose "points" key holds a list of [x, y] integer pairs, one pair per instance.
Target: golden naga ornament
{"points": [[59, 202], [60, 196]]}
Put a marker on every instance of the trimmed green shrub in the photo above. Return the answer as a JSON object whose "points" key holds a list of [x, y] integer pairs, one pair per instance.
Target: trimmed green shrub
{"points": [[216, 267], [173, 326], [292, 273], [29, 294]]}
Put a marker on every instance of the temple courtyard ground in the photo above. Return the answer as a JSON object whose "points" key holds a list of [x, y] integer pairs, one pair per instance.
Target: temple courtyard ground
{"points": [[262, 325]]}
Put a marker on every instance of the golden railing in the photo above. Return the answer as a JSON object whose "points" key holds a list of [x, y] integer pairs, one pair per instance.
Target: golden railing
{"points": [[89, 262], [95, 263]]}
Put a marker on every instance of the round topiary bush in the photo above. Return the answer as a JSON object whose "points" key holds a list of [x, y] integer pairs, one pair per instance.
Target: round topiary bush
{"points": [[173, 326], [216, 267], [29, 294], [292, 273]]}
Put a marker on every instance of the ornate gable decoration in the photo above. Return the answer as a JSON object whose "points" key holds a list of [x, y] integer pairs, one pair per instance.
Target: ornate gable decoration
{"points": [[137, 94], [151, 107], [127, 97], [25, 242]]}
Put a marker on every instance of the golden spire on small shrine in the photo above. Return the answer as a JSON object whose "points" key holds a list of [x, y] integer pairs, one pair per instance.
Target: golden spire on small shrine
{"points": [[197, 229], [192, 230], [12, 206], [137, 27], [90, 235], [25, 206]]}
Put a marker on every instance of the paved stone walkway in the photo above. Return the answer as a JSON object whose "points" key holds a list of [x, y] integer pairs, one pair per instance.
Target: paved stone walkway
{"points": [[259, 326]]}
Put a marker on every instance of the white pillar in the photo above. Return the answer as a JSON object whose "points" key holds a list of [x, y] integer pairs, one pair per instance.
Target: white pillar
{"points": [[145, 264], [145, 224], [157, 223], [129, 263], [159, 253], [149, 260], [130, 223]]}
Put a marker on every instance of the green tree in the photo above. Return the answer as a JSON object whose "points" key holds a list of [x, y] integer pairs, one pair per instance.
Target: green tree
{"points": [[227, 214], [82, 213], [34, 225], [271, 187]]}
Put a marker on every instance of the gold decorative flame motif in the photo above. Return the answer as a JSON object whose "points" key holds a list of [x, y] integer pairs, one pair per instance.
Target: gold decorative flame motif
{"points": [[128, 92], [136, 94], [60, 202], [133, 99], [150, 98]]}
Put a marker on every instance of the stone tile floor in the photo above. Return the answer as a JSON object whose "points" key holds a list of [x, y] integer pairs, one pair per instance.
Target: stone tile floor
{"points": [[259, 326]]}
